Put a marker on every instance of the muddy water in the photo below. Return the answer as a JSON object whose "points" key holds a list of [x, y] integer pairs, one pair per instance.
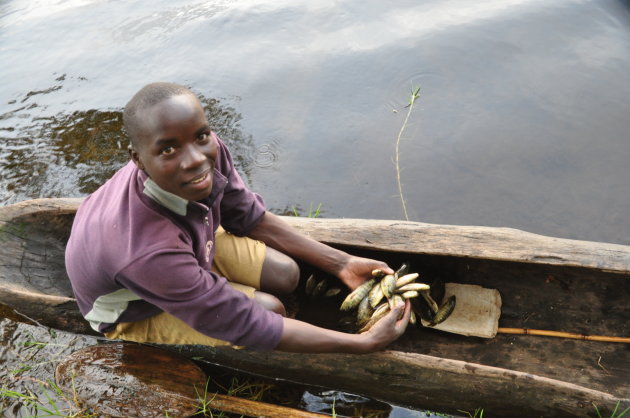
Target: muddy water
{"points": [[522, 119]]}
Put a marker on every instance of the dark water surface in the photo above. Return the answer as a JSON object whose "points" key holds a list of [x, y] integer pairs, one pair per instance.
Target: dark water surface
{"points": [[522, 121]]}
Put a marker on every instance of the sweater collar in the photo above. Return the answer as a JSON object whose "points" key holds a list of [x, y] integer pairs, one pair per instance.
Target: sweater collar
{"points": [[167, 199]]}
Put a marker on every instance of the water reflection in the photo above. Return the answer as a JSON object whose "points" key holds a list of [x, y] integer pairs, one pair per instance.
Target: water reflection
{"points": [[161, 23], [225, 121], [72, 154], [345, 404], [514, 95], [27, 366], [351, 405]]}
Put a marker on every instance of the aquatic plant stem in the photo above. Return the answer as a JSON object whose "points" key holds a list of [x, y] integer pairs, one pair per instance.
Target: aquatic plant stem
{"points": [[414, 95]]}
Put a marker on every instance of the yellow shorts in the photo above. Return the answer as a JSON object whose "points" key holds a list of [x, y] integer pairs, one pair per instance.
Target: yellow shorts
{"points": [[239, 259]]}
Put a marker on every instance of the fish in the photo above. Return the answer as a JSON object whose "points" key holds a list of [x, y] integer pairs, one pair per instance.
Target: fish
{"points": [[409, 294], [348, 323], [375, 295], [365, 311], [320, 288], [311, 282], [354, 298], [332, 292], [378, 273], [445, 311], [421, 307], [418, 287], [406, 279], [432, 304], [395, 301], [379, 309], [412, 318], [388, 284], [376, 316]]}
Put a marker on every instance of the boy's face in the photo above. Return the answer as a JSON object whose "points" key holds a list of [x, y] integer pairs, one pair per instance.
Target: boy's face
{"points": [[175, 147]]}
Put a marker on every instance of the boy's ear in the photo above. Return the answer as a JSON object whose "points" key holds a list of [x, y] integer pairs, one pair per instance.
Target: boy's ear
{"points": [[133, 154]]}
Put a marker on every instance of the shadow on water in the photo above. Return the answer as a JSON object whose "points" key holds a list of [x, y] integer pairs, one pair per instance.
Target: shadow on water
{"points": [[72, 154]]}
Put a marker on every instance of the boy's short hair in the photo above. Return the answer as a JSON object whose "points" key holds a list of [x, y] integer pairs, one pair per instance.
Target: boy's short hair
{"points": [[148, 96]]}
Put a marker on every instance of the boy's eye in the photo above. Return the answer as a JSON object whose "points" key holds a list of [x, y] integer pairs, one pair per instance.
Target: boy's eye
{"points": [[167, 150], [204, 136]]}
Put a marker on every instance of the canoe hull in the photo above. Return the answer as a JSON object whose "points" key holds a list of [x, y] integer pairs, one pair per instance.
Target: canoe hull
{"points": [[544, 282]]}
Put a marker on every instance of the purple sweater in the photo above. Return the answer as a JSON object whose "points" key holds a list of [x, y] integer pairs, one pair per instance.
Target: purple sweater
{"points": [[136, 250]]}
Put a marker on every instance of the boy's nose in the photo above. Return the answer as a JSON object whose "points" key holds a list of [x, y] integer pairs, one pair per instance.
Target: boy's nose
{"points": [[193, 157]]}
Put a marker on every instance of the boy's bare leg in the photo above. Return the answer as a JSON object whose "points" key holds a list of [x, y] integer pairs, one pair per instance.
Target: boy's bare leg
{"points": [[280, 273], [270, 302]]}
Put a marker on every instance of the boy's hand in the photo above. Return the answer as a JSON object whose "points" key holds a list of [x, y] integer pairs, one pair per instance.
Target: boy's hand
{"points": [[391, 326], [358, 269]]}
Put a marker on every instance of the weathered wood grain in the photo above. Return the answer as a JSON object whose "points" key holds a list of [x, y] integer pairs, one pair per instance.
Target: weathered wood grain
{"points": [[129, 380], [502, 244], [490, 243], [545, 283], [412, 379], [133, 380]]}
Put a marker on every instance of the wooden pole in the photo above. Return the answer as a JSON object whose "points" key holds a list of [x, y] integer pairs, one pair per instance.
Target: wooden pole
{"points": [[560, 334]]}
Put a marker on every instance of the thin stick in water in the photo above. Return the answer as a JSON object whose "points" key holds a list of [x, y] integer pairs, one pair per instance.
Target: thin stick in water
{"points": [[414, 95]]}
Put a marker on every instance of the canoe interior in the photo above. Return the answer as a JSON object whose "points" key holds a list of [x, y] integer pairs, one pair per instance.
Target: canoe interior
{"points": [[33, 253], [34, 285], [534, 296]]}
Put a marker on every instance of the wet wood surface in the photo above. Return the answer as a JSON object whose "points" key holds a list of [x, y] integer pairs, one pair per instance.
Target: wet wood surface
{"points": [[134, 380], [545, 283], [131, 380]]}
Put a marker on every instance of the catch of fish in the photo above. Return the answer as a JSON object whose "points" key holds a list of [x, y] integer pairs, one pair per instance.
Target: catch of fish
{"points": [[383, 292]]}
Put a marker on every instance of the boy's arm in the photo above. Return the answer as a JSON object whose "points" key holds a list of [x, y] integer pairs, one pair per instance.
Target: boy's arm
{"points": [[302, 337], [277, 234]]}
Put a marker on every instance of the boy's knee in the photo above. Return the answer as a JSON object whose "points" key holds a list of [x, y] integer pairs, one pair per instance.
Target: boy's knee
{"points": [[280, 274], [293, 276], [288, 277], [270, 302]]}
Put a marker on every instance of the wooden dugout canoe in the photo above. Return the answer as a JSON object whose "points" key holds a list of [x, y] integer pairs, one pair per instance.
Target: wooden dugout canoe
{"points": [[545, 283]]}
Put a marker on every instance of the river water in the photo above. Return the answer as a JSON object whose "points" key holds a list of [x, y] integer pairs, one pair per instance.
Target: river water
{"points": [[522, 120]]}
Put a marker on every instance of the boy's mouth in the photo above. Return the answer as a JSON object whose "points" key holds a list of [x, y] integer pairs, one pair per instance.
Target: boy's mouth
{"points": [[198, 179]]}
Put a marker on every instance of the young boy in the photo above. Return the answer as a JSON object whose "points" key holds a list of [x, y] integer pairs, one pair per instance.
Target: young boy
{"points": [[175, 249]]}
